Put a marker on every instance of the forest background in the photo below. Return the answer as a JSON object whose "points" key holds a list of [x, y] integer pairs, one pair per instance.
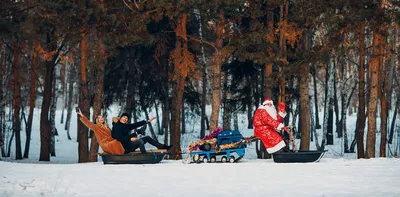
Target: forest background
{"points": [[177, 57]]}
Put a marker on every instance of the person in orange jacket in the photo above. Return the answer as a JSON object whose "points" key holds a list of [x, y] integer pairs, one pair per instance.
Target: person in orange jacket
{"points": [[103, 134], [267, 121]]}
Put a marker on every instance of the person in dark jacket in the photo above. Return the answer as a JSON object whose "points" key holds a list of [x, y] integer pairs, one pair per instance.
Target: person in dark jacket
{"points": [[121, 131]]}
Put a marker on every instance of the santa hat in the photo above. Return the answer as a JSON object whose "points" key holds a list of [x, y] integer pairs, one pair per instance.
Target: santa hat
{"points": [[268, 100]]}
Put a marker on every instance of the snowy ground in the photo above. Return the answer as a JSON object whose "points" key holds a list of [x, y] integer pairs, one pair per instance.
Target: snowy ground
{"points": [[337, 174]]}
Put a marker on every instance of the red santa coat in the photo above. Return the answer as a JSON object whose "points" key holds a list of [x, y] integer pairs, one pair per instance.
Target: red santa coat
{"points": [[265, 127]]}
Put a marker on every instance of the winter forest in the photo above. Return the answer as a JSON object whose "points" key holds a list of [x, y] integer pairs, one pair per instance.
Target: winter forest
{"points": [[201, 62]]}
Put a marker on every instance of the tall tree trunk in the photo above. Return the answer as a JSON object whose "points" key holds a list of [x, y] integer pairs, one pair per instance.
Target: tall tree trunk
{"points": [[268, 66], [53, 107], [17, 103], [284, 9], [397, 106], [70, 98], [392, 75], [48, 84], [336, 103], [181, 50], [361, 96], [204, 82], [314, 74], [62, 79], [83, 150], [383, 76], [32, 97], [373, 99], [342, 122], [304, 100], [328, 111], [2, 102], [98, 95], [216, 77]]}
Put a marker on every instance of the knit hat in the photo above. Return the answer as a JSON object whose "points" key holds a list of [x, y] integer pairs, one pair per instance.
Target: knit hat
{"points": [[125, 114], [268, 100]]}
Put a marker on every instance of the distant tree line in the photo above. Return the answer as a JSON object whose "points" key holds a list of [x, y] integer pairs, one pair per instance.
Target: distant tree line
{"points": [[176, 57]]}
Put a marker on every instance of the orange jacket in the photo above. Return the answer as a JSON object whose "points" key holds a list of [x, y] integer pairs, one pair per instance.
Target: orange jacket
{"points": [[103, 135]]}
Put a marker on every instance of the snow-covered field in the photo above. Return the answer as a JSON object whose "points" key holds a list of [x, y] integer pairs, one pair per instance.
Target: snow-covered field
{"points": [[337, 174]]}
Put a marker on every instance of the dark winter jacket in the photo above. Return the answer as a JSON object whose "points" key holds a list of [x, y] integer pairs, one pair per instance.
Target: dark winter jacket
{"points": [[121, 132]]}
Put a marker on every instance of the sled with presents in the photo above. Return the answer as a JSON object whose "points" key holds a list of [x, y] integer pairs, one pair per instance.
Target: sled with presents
{"points": [[219, 146]]}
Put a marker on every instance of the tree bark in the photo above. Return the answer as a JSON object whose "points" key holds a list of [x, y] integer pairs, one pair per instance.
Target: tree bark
{"points": [[336, 103], [32, 97], [62, 79], [328, 111], [216, 77], [314, 74], [98, 96], [372, 104], [304, 100], [53, 107], [17, 103], [181, 49], [2, 103], [361, 96], [70, 99], [83, 150], [204, 82], [48, 84], [383, 76]]}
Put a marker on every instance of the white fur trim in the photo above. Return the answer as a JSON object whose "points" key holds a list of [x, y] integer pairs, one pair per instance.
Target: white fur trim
{"points": [[282, 114], [280, 126], [268, 101], [277, 147]]}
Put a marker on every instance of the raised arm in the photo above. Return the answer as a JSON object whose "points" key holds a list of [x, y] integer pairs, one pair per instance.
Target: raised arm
{"points": [[87, 122]]}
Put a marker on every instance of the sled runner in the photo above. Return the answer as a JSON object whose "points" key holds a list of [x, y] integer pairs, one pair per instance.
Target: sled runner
{"points": [[298, 157], [151, 157]]}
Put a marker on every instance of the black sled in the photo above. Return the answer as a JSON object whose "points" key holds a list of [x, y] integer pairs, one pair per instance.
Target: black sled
{"points": [[151, 157], [298, 157]]}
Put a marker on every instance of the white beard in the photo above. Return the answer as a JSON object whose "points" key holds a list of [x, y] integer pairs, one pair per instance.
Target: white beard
{"points": [[271, 111]]}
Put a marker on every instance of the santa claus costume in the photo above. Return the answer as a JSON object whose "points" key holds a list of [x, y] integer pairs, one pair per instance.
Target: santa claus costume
{"points": [[266, 123]]}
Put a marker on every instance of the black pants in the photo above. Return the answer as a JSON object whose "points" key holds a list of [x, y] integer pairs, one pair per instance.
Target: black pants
{"points": [[139, 143]]}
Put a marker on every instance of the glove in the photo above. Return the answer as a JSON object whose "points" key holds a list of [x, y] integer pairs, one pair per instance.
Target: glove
{"points": [[282, 107]]}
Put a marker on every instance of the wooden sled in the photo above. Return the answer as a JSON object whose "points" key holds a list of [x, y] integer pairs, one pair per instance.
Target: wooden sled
{"points": [[298, 157], [151, 157]]}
